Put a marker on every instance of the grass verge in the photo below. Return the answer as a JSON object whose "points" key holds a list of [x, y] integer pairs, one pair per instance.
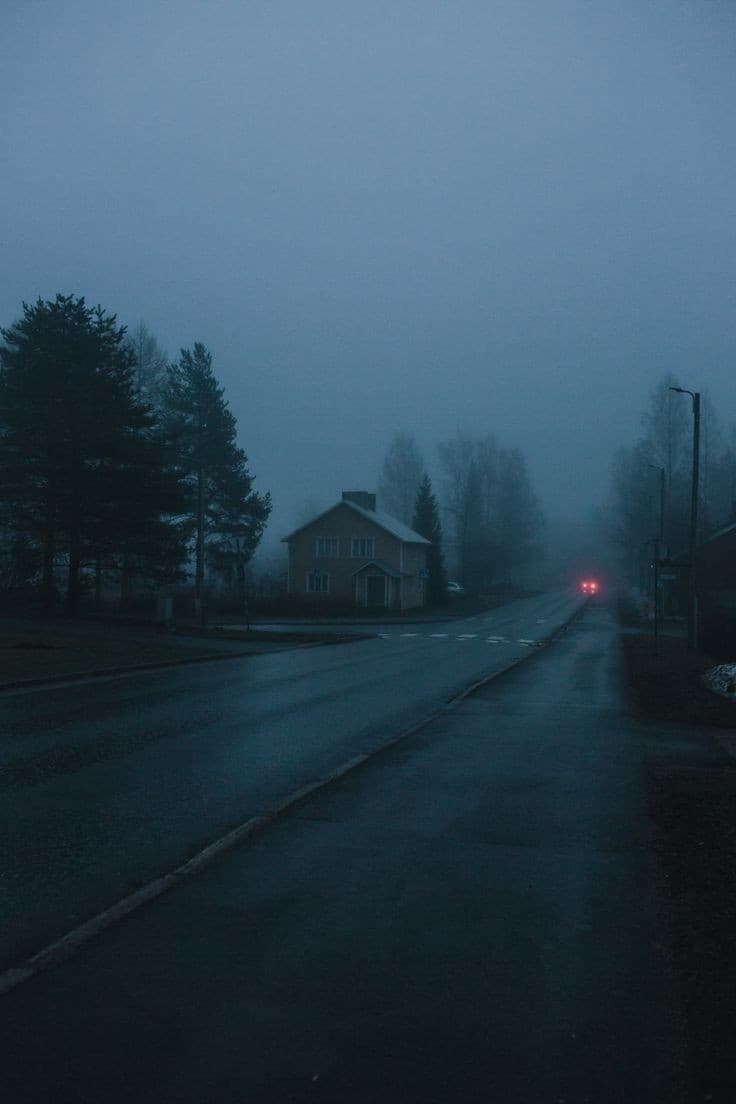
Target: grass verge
{"points": [[668, 684]]}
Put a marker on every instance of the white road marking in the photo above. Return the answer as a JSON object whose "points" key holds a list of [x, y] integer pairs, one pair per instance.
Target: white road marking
{"points": [[442, 635], [528, 643], [467, 636], [408, 634]]}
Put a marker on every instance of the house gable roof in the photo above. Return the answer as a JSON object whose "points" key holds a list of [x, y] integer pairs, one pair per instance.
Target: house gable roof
{"points": [[384, 521]]}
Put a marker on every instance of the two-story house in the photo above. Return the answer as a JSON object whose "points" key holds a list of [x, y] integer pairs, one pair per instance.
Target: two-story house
{"points": [[354, 551]]}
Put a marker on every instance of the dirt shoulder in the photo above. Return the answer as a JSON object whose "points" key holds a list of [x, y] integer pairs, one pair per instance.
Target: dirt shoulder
{"points": [[691, 808]]}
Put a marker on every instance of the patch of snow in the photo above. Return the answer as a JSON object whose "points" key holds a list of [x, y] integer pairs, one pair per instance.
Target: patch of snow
{"points": [[722, 679]]}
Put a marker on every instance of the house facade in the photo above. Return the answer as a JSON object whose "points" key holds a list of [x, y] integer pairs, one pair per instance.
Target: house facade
{"points": [[356, 554]]}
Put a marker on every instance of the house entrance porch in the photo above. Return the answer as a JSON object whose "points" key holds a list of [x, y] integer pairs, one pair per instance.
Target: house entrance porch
{"points": [[377, 586]]}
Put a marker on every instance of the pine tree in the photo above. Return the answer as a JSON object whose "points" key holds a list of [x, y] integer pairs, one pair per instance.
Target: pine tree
{"points": [[225, 514], [427, 523], [76, 447]]}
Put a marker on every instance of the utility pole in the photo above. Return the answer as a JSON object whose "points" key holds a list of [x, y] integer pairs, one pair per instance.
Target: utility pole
{"points": [[659, 553], [661, 505], [692, 605], [200, 612]]}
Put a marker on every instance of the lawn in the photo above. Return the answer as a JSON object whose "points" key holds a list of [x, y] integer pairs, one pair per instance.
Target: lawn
{"points": [[36, 648]]}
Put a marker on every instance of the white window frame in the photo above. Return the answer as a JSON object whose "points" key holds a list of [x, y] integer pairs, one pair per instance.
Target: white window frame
{"points": [[363, 555], [326, 555], [324, 576]]}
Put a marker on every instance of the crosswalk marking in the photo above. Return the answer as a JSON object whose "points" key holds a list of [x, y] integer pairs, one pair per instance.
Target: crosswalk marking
{"points": [[527, 643]]}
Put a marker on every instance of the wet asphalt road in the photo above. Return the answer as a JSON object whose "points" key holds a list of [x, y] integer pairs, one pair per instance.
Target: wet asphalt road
{"points": [[107, 784], [467, 917]]}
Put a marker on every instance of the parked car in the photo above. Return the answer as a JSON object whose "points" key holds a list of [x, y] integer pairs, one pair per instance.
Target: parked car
{"points": [[455, 590]]}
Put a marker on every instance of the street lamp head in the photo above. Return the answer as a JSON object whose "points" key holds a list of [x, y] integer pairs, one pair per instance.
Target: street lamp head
{"points": [[685, 391]]}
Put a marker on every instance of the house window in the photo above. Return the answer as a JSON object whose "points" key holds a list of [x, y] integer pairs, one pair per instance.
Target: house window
{"points": [[327, 546], [362, 547], [318, 582]]}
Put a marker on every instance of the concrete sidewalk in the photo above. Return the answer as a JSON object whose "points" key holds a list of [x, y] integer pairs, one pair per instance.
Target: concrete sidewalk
{"points": [[465, 917]]}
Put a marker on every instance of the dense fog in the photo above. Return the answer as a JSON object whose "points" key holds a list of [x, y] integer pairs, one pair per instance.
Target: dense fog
{"points": [[504, 219]]}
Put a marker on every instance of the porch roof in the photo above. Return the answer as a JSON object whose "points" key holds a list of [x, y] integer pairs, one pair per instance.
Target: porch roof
{"points": [[382, 566]]}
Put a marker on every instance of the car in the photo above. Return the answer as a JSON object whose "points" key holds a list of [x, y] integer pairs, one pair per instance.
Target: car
{"points": [[455, 590], [589, 586]]}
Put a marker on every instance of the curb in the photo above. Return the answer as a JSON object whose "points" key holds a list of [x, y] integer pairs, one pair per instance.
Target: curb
{"points": [[62, 949]]}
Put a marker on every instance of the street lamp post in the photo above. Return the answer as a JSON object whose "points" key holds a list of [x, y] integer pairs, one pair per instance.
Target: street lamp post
{"points": [[692, 613]]}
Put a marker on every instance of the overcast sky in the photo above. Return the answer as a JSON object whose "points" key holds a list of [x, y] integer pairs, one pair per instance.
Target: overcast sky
{"points": [[510, 216]]}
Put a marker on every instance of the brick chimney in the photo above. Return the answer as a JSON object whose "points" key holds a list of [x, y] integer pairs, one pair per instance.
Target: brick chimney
{"points": [[360, 498]]}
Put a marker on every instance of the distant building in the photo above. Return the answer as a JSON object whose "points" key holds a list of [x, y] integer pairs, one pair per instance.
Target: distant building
{"points": [[355, 553]]}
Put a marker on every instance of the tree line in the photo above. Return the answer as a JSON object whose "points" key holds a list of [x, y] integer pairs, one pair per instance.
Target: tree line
{"points": [[493, 521], [117, 468], [651, 479]]}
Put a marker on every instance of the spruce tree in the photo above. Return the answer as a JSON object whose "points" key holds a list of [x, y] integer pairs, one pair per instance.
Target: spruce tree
{"points": [[427, 523]]}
